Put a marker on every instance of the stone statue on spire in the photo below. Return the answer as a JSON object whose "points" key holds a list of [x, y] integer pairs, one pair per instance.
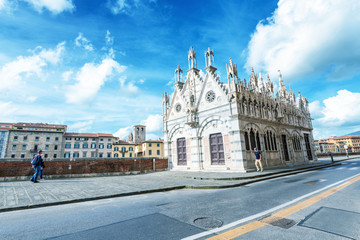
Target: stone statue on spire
{"points": [[209, 58], [192, 58], [231, 70], [282, 89], [178, 74]]}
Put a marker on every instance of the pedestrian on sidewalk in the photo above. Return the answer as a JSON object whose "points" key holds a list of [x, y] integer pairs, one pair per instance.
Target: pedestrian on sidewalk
{"points": [[42, 168], [37, 167], [258, 160], [331, 156]]}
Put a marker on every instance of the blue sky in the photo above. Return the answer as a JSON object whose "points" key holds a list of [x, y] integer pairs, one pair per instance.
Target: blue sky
{"points": [[102, 66]]}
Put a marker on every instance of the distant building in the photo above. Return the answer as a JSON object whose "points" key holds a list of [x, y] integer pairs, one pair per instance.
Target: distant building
{"points": [[150, 148], [213, 125], [339, 144], [123, 149], [137, 146], [25, 139], [139, 133], [88, 145]]}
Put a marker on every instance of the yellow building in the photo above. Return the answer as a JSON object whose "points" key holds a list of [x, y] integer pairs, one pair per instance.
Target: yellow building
{"points": [[339, 144], [150, 148], [123, 149]]}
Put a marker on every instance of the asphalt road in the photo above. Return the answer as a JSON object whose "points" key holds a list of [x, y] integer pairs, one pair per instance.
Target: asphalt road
{"points": [[192, 213]]}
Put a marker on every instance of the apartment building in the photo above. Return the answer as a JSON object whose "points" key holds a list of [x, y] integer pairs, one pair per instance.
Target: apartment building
{"points": [[88, 145], [123, 149], [150, 148], [25, 139]]}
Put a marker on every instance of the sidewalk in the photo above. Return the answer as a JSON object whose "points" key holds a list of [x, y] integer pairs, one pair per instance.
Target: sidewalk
{"points": [[25, 194]]}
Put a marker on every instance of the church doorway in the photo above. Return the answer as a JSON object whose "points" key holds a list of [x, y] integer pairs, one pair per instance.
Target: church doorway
{"points": [[217, 149], [285, 148], [181, 151]]}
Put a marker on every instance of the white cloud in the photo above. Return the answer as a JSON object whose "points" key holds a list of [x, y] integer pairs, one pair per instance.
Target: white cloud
{"points": [[54, 6], [31, 99], [109, 39], [153, 123], [66, 75], [127, 6], [3, 4], [336, 116], [81, 126], [127, 88], [90, 79], [7, 109], [308, 37], [342, 109], [123, 133], [315, 109], [13, 73], [81, 41]]}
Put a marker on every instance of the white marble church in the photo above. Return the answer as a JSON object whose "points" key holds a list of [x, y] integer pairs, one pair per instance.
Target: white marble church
{"points": [[214, 126]]}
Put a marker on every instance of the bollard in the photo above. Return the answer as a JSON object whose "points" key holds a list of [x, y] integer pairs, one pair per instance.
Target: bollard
{"points": [[154, 164]]}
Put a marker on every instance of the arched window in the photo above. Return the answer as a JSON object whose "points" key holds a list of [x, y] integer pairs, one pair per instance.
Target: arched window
{"points": [[266, 142], [270, 141], [116, 155], [247, 145], [252, 139], [258, 141]]}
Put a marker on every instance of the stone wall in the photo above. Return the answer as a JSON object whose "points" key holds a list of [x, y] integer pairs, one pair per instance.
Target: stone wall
{"points": [[20, 169]]}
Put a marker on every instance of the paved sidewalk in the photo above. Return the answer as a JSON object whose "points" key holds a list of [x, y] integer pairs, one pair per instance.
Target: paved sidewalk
{"points": [[25, 194]]}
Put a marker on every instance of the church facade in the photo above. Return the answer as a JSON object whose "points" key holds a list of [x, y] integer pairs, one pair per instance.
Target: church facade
{"points": [[214, 126]]}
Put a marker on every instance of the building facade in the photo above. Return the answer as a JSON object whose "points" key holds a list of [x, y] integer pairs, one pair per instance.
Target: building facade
{"points": [[150, 148], [212, 125], [123, 149], [25, 139], [88, 145], [351, 143]]}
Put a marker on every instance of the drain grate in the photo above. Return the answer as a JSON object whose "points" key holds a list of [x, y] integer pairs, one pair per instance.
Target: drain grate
{"points": [[278, 222], [208, 222]]}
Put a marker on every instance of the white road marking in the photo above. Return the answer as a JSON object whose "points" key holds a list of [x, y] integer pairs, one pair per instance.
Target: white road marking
{"points": [[269, 211]]}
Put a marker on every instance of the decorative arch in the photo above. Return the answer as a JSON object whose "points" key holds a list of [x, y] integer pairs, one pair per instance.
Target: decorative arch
{"points": [[296, 140], [208, 121], [252, 136], [270, 138], [174, 130]]}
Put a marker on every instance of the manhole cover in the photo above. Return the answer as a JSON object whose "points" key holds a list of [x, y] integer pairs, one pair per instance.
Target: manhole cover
{"points": [[278, 222], [208, 222]]}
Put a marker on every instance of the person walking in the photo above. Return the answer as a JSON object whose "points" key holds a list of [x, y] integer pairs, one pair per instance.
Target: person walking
{"points": [[42, 168], [258, 160], [37, 167]]}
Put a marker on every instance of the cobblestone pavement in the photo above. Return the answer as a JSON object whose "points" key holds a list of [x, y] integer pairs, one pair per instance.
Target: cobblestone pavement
{"points": [[25, 194]]}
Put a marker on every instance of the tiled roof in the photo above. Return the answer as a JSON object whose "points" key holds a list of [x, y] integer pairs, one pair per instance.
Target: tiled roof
{"points": [[122, 142], [39, 125], [68, 134]]}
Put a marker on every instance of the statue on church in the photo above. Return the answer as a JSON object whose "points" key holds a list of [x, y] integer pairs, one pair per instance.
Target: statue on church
{"points": [[178, 74], [192, 58], [209, 58]]}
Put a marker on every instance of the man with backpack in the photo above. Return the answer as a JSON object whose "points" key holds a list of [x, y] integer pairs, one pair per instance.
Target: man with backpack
{"points": [[36, 163]]}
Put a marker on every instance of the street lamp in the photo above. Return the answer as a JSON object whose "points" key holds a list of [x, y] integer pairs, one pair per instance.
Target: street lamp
{"points": [[346, 150]]}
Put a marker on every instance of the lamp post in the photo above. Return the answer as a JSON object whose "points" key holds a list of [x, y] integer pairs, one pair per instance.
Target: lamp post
{"points": [[346, 150]]}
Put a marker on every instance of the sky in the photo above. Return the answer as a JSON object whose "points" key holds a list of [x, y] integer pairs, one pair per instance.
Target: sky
{"points": [[102, 66]]}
